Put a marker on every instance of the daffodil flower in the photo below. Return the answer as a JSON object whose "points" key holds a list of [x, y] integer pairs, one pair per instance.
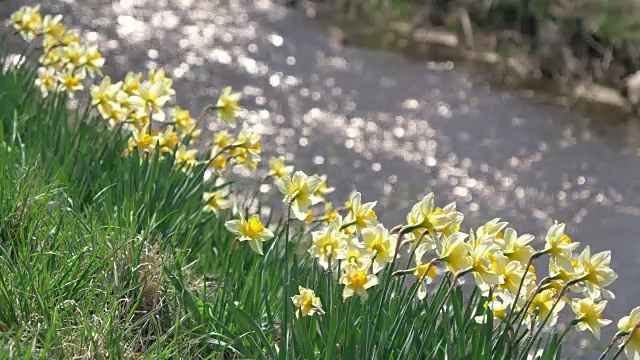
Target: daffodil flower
{"points": [[589, 315], [424, 214], [330, 214], [379, 246], [28, 21], [131, 83], [104, 94], [559, 245], [543, 305], [499, 305], [491, 228], [251, 230], [52, 26], [425, 272], [168, 140], [516, 247], [328, 246], [47, 80], [453, 251], [93, 60], [361, 215], [186, 158], [249, 142], [159, 76], [152, 98], [182, 119], [71, 82], [299, 190], [482, 268], [511, 273], [307, 303], [597, 273], [324, 189], [227, 106], [215, 201], [455, 219], [357, 281], [356, 254], [629, 323]]}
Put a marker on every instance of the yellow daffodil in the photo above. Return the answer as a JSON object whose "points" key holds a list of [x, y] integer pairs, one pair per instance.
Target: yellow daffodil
{"points": [[307, 303], [483, 269], [93, 60], [159, 76], [52, 59], [222, 139], [184, 123], [361, 215], [589, 315], [559, 245], [357, 281], [499, 305], [152, 98], [516, 247], [27, 21], [340, 224], [251, 230], [542, 305], [114, 112], [597, 273], [186, 158], [424, 214], [168, 140], [330, 213], [424, 272], [47, 80], [104, 94], [511, 273], [52, 26], [69, 37], [73, 56], [249, 142], [628, 323], [71, 82], [455, 219], [379, 246], [219, 162], [131, 83], [227, 106], [309, 217], [561, 276], [356, 254], [329, 246], [324, 189], [300, 189], [215, 201], [142, 141], [453, 251], [278, 168], [492, 228]]}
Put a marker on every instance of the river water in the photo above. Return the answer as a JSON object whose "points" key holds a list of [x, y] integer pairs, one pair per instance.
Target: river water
{"points": [[391, 126]]}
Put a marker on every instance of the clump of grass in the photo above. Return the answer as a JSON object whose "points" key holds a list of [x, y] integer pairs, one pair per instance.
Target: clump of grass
{"points": [[119, 240]]}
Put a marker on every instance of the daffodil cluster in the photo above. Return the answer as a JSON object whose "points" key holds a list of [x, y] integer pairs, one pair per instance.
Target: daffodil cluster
{"points": [[357, 247], [66, 61]]}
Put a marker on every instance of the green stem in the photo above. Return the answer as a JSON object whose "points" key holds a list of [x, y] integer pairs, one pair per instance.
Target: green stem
{"points": [[287, 278], [626, 342], [555, 303], [614, 340]]}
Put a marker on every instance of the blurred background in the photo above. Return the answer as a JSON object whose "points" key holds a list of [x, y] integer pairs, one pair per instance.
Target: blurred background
{"points": [[518, 109]]}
